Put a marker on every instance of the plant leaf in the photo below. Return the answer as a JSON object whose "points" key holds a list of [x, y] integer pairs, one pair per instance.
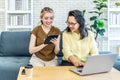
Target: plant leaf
{"points": [[104, 19], [103, 5], [94, 12], [101, 32], [100, 24], [95, 1], [93, 18], [83, 12], [104, 0]]}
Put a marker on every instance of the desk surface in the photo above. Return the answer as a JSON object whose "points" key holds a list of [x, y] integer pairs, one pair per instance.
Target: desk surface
{"points": [[63, 73]]}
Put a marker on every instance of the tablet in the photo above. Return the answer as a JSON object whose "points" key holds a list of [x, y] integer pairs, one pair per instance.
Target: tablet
{"points": [[49, 37]]}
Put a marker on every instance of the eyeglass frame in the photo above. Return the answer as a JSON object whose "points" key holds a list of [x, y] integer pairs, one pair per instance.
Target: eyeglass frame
{"points": [[72, 24]]}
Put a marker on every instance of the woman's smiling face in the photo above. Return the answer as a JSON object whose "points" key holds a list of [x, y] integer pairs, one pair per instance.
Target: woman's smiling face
{"points": [[48, 19], [73, 24]]}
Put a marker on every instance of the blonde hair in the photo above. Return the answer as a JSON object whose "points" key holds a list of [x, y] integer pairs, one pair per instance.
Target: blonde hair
{"points": [[44, 10]]}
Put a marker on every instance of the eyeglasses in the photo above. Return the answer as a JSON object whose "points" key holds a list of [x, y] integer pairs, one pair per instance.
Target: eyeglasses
{"points": [[71, 23]]}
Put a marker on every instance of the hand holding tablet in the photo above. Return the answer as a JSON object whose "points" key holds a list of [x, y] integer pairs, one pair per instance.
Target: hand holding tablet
{"points": [[49, 37]]}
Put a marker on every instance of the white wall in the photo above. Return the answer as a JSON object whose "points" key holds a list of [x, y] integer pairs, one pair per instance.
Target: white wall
{"points": [[61, 8]]}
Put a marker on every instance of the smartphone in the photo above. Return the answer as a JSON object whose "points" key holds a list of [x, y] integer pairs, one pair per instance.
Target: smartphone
{"points": [[49, 37]]}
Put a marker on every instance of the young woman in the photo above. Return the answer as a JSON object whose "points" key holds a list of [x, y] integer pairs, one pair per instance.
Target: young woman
{"points": [[44, 54], [78, 42]]}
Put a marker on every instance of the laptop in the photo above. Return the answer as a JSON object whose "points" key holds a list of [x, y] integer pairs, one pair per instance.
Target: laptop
{"points": [[96, 64]]}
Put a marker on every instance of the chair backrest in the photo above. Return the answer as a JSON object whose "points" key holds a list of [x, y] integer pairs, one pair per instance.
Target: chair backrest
{"points": [[14, 43]]}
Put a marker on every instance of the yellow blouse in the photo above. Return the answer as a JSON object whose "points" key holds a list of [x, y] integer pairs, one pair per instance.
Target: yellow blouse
{"points": [[80, 49]]}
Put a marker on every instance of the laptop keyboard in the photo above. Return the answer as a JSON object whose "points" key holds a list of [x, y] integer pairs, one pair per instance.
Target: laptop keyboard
{"points": [[79, 69]]}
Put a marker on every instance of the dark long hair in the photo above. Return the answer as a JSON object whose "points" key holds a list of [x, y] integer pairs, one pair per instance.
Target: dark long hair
{"points": [[81, 21]]}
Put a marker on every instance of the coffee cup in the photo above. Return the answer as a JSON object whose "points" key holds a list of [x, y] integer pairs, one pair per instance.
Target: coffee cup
{"points": [[28, 70]]}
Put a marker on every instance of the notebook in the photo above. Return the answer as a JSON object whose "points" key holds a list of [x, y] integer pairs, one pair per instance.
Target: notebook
{"points": [[96, 64]]}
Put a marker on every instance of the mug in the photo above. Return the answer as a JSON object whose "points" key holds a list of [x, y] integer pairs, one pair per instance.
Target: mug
{"points": [[28, 70]]}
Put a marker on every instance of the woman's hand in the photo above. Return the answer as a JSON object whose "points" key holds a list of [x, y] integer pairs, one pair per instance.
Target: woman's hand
{"points": [[32, 47], [54, 41], [76, 62]]}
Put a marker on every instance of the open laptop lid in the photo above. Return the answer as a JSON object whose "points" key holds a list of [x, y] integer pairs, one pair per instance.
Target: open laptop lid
{"points": [[97, 64]]}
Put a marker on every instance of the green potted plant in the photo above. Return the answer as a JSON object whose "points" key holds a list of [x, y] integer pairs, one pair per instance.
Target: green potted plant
{"points": [[98, 24]]}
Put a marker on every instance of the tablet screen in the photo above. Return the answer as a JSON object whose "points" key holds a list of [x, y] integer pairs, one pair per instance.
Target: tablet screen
{"points": [[49, 37]]}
